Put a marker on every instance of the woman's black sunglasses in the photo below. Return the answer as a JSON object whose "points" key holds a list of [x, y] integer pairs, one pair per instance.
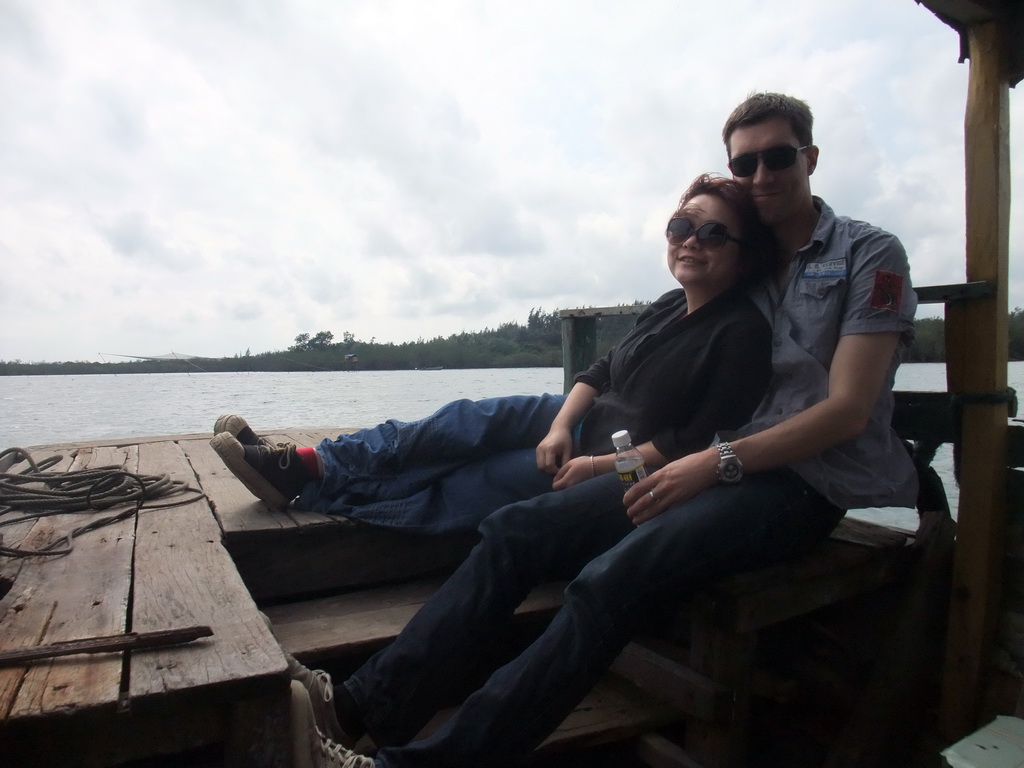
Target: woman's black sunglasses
{"points": [[712, 234], [774, 159]]}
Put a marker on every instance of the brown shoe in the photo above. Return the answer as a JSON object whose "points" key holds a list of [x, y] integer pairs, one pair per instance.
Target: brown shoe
{"points": [[275, 474]]}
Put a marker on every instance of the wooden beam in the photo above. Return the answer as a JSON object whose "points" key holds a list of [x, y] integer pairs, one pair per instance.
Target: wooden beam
{"points": [[976, 355], [964, 11], [579, 346]]}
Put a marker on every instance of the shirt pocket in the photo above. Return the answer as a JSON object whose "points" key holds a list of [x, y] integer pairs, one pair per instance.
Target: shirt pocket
{"points": [[817, 312]]}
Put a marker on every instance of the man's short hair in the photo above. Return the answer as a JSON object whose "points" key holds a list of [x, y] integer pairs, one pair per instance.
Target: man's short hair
{"points": [[758, 107]]}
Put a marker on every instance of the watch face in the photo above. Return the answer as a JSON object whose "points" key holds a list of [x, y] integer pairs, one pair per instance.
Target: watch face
{"points": [[730, 470]]}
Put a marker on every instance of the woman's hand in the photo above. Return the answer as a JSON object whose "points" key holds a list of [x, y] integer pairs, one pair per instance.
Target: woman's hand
{"points": [[574, 471], [555, 450], [673, 484]]}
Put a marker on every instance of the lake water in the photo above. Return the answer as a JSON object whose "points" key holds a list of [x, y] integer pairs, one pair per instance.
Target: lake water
{"points": [[40, 410]]}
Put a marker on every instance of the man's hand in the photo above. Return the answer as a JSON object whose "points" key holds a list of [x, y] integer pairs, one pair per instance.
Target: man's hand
{"points": [[555, 450], [673, 484]]}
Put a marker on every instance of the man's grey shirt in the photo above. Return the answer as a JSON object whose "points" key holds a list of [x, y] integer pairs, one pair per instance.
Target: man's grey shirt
{"points": [[850, 278]]}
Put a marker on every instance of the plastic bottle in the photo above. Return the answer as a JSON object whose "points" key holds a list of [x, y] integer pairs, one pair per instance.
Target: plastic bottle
{"points": [[629, 462]]}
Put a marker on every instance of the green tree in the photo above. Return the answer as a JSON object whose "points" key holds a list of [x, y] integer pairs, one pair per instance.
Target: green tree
{"points": [[322, 339]]}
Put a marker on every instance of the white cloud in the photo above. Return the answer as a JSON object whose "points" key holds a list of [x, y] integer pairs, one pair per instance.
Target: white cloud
{"points": [[217, 176]]}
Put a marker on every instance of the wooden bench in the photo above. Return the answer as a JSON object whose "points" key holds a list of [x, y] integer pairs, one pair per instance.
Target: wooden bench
{"points": [[707, 680], [352, 626]]}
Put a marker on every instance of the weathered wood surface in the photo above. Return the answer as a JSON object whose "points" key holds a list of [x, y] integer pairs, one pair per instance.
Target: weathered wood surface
{"points": [[63, 598], [974, 367], [662, 669], [313, 553], [857, 558], [614, 710], [184, 577], [161, 569], [364, 621]]}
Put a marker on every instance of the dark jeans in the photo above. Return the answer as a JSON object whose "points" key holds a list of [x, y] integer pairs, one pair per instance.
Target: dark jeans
{"points": [[620, 574], [442, 473]]}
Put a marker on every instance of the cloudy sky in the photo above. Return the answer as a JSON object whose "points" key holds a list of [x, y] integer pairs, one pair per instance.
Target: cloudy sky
{"points": [[212, 176]]}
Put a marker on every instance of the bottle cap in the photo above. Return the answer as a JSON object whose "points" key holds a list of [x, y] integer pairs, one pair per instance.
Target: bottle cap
{"points": [[621, 439]]}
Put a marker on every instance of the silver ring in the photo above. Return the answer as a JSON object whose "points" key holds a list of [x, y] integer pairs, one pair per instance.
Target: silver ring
{"points": [[651, 494]]}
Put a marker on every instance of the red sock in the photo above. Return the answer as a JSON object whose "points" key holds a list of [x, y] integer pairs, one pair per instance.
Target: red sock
{"points": [[311, 460]]}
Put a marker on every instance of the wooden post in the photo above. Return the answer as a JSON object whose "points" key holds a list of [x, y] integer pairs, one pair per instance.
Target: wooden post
{"points": [[579, 345], [976, 353]]}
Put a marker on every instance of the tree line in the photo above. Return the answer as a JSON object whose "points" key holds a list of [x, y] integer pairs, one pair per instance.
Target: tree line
{"points": [[537, 343]]}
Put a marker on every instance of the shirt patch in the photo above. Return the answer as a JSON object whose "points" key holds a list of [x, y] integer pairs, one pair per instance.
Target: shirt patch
{"points": [[887, 292], [834, 268]]}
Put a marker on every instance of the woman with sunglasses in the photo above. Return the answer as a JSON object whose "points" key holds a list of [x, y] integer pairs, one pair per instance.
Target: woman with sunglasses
{"points": [[697, 360], [698, 356]]}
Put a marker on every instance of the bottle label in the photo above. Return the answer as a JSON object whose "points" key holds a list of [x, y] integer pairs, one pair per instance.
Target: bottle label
{"points": [[632, 476]]}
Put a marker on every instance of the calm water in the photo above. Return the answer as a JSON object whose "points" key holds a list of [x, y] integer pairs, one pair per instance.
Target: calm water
{"points": [[38, 410]]}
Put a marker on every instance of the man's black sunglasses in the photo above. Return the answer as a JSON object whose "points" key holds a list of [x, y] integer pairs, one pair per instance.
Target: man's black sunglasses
{"points": [[712, 234], [774, 159]]}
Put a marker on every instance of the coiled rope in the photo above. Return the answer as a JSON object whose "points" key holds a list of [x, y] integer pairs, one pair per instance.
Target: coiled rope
{"points": [[33, 493]]}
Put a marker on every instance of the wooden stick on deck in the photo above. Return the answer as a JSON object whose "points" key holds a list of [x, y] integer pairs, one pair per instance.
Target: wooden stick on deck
{"points": [[126, 642]]}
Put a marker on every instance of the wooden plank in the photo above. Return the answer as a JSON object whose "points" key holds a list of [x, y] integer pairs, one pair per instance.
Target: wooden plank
{"points": [[658, 752], [259, 734], [948, 294], [116, 442], [613, 711], [312, 560], [887, 709], [658, 669], [976, 351], [619, 309], [778, 601], [106, 739], [727, 658], [55, 599], [183, 577], [237, 510], [868, 534], [367, 620], [858, 556], [579, 346]]}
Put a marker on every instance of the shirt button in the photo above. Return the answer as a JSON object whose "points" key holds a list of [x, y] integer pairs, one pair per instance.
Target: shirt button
{"points": [[777, 341]]}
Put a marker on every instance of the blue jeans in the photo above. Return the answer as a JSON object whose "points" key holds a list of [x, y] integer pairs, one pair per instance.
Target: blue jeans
{"points": [[621, 574], [442, 473]]}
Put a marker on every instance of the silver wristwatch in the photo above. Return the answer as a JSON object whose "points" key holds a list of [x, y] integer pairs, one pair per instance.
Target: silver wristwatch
{"points": [[730, 468]]}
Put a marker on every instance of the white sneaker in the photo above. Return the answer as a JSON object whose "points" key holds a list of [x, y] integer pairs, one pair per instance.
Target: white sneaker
{"points": [[318, 685], [321, 694], [310, 747]]}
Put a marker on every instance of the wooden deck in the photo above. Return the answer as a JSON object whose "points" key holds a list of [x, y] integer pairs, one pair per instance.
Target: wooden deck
{"points": [[161, 569]]}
